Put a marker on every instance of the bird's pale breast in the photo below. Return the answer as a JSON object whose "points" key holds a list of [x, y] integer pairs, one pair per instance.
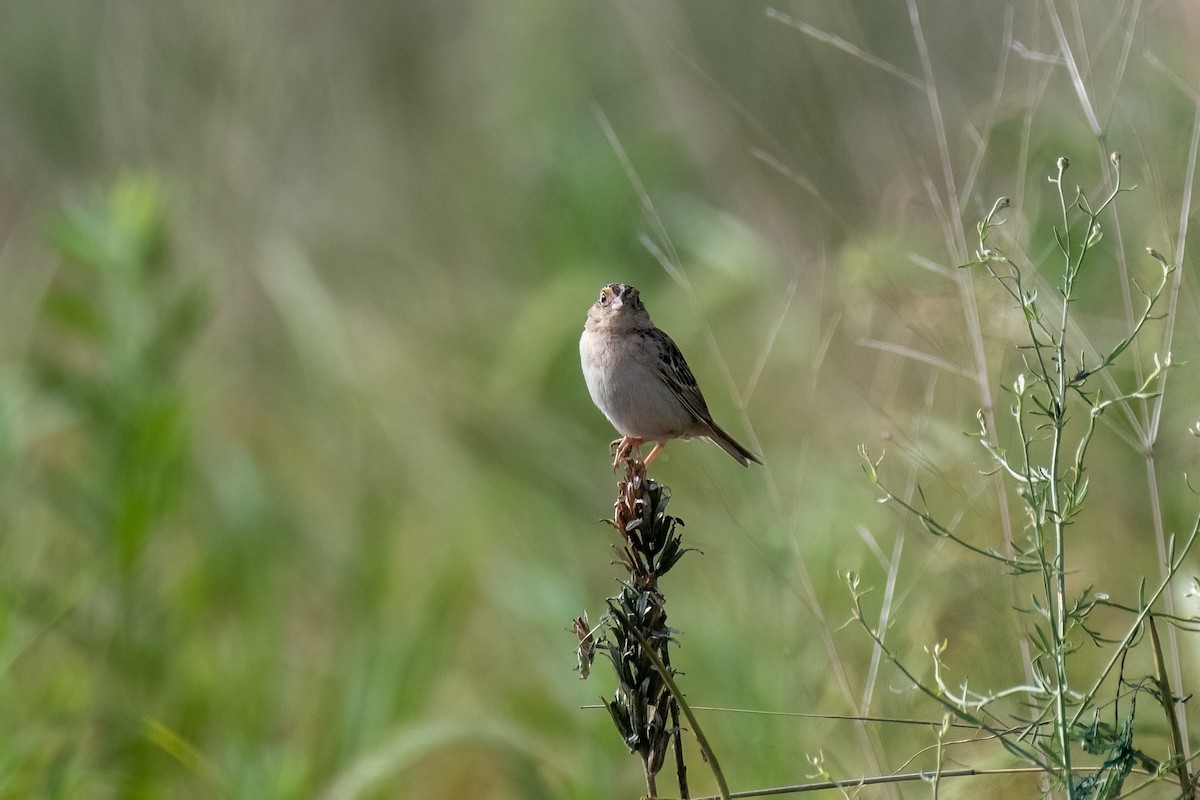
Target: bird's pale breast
{"points": [[629, 391]]}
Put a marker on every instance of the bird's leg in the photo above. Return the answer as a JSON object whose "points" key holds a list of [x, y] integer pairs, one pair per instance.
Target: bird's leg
{"points": [[658, 446], [622, 448]]}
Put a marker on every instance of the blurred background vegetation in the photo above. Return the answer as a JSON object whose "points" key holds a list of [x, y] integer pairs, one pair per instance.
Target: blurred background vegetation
{"points": [[299, 479]]}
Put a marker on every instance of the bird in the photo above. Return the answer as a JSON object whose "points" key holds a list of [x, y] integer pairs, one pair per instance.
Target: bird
{"points": [[640, 380]]}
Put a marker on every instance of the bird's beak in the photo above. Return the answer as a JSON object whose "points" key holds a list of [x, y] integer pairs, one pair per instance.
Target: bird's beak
{"points": [[622, 295]]}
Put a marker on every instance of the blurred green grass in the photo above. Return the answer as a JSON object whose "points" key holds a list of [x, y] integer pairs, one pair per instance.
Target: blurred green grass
{"points": [[369, 473]]}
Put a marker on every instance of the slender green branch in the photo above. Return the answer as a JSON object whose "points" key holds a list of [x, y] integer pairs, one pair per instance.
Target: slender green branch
{"points": [[870, 468], [900, 777], [1167, 698], [959, 711], [1058, 563], [1135, 626]]}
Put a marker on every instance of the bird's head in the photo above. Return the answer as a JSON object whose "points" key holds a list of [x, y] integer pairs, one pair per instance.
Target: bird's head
{"points": [[618, 307]]}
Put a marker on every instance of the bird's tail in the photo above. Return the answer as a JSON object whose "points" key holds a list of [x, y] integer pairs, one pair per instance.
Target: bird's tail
{"points": [[731, 446]]}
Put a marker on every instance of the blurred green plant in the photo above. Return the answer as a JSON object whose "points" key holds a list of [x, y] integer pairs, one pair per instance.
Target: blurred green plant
{"points": [[115, 329], [112, 333], [1060, 712]]}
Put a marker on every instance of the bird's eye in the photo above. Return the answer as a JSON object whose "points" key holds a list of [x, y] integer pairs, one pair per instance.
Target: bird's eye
{"points": [[603, 299]]}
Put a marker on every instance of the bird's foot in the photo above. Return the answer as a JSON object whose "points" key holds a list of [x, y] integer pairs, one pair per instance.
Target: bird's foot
{"points": [[622, 448]]}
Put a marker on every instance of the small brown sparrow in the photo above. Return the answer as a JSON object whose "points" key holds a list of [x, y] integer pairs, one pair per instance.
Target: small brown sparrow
{"points": [[639, 379]]}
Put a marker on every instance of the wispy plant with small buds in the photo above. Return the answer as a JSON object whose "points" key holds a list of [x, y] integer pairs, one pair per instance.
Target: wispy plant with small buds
{"points": [[1057, 722]]}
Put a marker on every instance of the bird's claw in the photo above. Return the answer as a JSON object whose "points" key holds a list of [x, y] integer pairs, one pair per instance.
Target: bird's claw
{"points": [[622, 448]]}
